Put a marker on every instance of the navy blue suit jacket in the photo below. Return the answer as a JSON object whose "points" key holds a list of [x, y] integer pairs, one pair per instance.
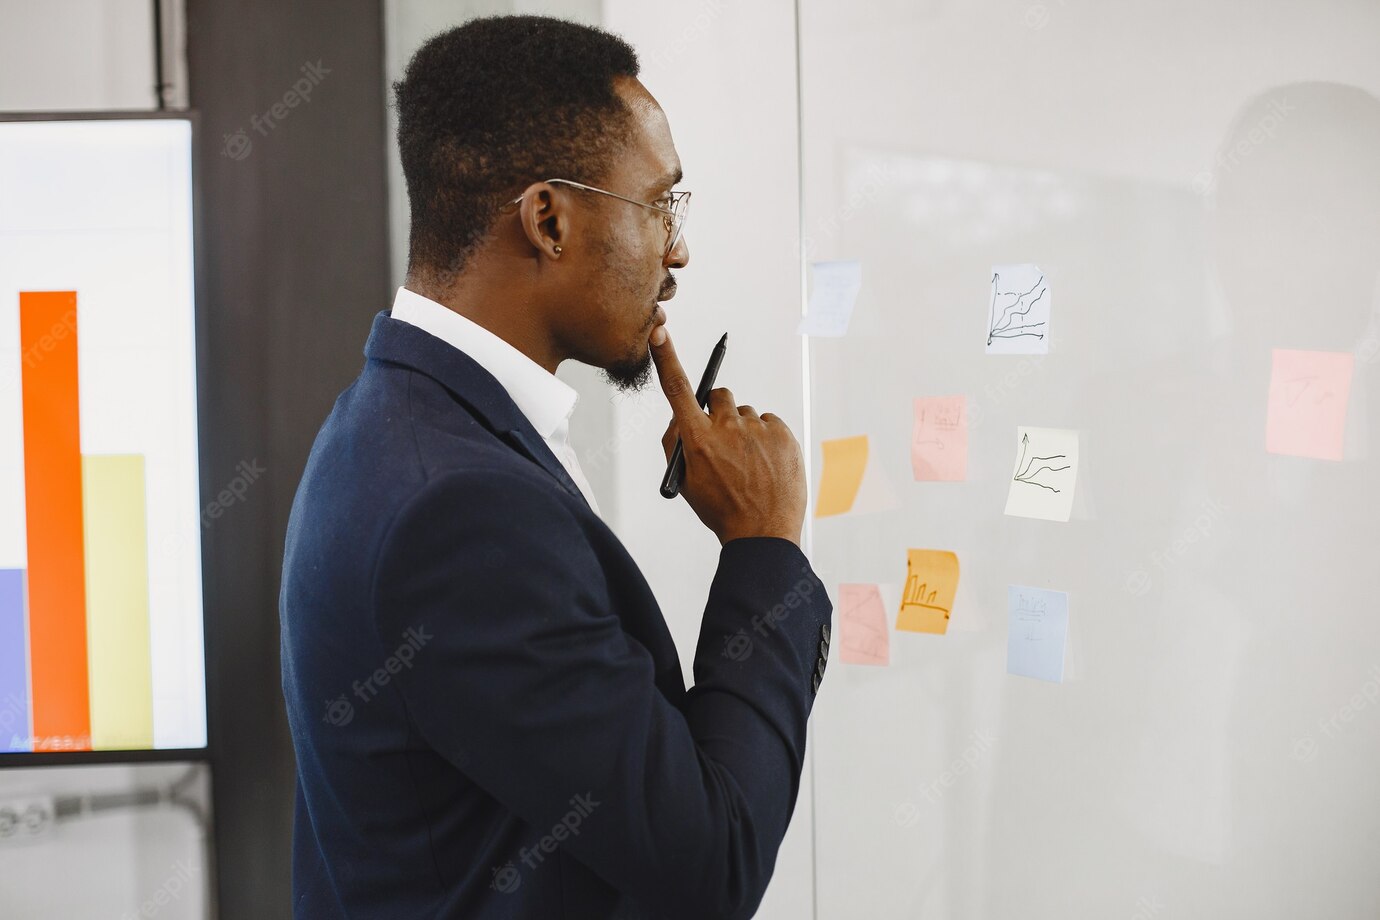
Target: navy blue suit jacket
{"points": [[488, 712]]}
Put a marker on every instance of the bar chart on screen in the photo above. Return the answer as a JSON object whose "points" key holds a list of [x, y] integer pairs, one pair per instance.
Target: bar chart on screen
{"points": [[100, 535]]}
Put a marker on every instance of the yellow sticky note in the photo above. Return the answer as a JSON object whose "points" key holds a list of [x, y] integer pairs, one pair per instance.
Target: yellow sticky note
{"points": [[844, 462], [931, 583]]}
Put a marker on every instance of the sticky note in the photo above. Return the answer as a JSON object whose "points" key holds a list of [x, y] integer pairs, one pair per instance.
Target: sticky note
{"points": [[863, 632], [1018, 311], [1308, 398], [928, 597], [939, 439], [1046, 471], [834, 288], [845, 459], [1037, 632]]}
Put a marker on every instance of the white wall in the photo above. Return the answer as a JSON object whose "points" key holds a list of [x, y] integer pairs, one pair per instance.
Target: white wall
{"points": [[134, 862], [87, 54], [725, 75]]}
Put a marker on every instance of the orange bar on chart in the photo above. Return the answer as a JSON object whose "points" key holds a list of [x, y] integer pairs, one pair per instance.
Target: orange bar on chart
{"points": [[53, 513]]}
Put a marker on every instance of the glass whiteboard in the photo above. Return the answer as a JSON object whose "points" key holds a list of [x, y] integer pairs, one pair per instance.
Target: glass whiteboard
{"points": [[1205, 221]]}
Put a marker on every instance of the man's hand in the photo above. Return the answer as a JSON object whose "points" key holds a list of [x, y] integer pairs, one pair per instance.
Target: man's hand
{"points": [[744, 473]]}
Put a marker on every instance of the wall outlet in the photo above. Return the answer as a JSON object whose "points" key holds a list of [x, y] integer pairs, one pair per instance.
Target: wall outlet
{"points": [[26, 819]]}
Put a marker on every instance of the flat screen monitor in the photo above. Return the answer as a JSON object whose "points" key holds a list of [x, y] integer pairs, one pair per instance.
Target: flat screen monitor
{"points": [[101, 524]]}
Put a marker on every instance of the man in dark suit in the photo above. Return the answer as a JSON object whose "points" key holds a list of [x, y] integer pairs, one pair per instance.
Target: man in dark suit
{"points": [[488, 711]]}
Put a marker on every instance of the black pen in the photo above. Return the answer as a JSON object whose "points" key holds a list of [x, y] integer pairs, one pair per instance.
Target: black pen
{"points": [[675, 469]]}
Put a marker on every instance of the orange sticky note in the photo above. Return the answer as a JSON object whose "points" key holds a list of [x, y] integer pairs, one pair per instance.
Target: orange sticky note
{"points": [[844, 462], [939, 439], [931, 583], [862, 626], [1308, 397]]}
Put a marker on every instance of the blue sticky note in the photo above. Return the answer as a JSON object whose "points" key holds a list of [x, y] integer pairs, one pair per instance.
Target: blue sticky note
{"points": [[1037, 631], [834, 288]]}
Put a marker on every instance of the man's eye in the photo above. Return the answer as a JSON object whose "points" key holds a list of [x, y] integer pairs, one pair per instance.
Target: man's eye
{"points": [[663, 202]]}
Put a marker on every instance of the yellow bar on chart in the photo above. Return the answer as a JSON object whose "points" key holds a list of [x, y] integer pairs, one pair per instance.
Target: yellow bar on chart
{"points": [[117, 601]]}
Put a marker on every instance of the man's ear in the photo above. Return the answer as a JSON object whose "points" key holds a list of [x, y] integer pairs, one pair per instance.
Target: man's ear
{"points": [[545, 220]]}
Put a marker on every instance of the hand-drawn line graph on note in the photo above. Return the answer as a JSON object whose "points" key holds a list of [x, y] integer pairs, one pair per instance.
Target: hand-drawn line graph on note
{"points": [[863, 625], [1012, 308], [1045, 474], [1308, 399], [1041, 471], [1295, 390], [1018, 311]]}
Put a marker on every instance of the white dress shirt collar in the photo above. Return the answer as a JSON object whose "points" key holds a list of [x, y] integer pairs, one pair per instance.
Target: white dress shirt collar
{"points": [[545, 399]]}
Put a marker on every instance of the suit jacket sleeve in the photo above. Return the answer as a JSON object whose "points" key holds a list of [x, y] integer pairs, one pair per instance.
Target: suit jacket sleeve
{"points": [[527, 683]]}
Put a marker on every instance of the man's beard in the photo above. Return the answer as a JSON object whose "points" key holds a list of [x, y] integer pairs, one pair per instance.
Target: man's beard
{"points": [[630, 376]]}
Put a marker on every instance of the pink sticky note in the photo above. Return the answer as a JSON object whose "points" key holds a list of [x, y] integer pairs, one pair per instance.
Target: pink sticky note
{"points": [[1308, 397], [862, 626], [939, 438]]}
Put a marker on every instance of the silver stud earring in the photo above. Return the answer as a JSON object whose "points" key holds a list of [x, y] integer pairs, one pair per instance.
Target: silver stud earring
{"points": [[557, 250]]}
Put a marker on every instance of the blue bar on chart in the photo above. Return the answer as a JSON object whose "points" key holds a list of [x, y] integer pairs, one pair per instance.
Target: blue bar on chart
{"points": [[14, 671]]}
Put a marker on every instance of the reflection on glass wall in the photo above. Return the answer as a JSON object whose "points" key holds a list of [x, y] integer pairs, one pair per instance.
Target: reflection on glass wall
{"points": [[1115, 349]]}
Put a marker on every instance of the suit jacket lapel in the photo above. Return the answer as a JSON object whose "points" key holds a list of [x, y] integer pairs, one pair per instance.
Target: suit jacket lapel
{"points": [[403, 343], [532, 445]]}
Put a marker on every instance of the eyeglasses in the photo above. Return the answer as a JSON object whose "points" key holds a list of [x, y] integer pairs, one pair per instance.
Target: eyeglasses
{"points": [[673, 216]]}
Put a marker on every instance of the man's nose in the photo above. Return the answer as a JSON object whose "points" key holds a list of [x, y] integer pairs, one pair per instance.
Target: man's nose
{"points": [[679, 256]]}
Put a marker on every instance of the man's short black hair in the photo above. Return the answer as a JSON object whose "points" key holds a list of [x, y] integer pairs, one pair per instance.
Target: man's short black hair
{"points": [[491, 106]]}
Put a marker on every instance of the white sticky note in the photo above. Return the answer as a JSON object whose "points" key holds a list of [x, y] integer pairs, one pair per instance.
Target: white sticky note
{"points": [[1046, 471], [834, 288], [1037, 632], [1018, 310]]}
